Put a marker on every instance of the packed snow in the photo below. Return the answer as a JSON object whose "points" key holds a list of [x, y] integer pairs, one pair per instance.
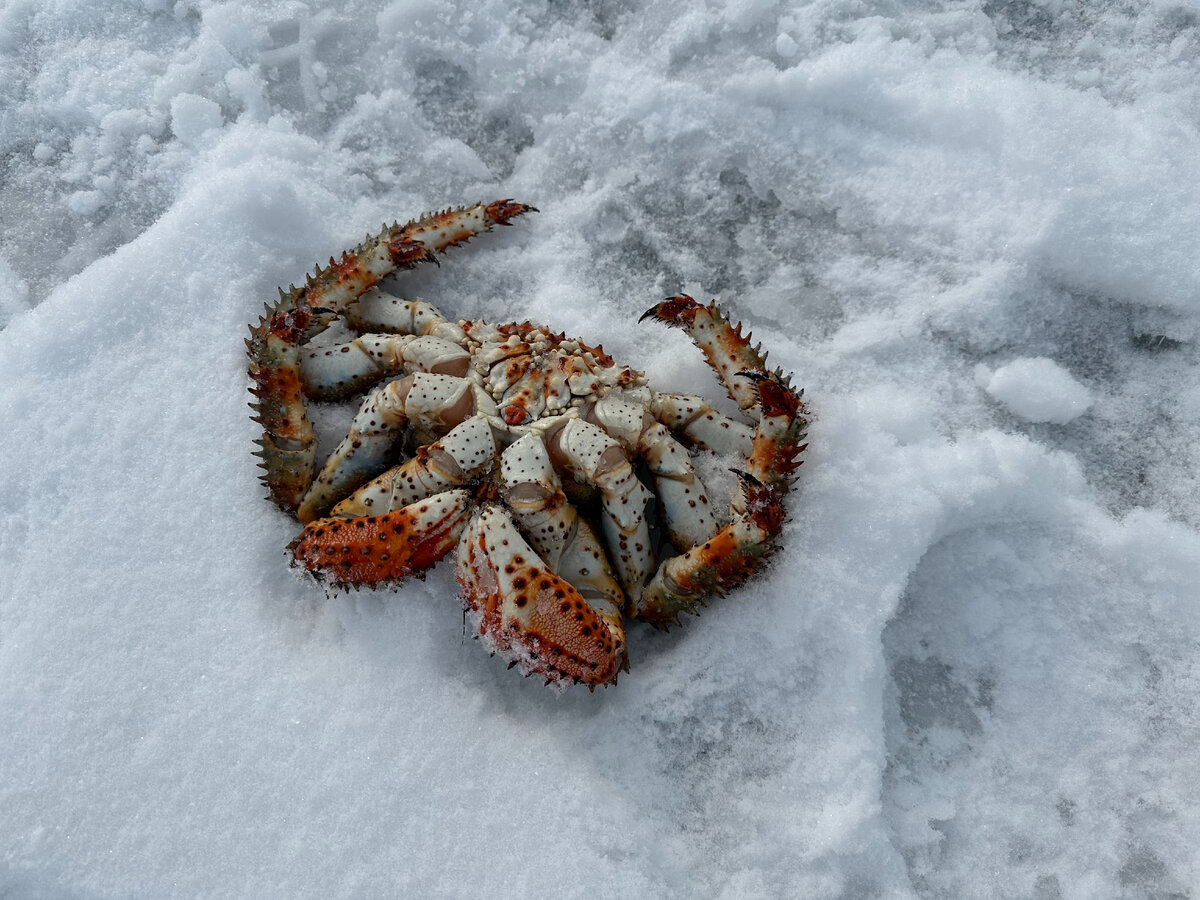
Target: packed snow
{"points": [[970, 229], [1037, 390]]}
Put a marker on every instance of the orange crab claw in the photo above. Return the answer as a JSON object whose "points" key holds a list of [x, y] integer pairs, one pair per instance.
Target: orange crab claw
{"points": [[374, 549], [503, 210], [679, 310], [529, 615]]}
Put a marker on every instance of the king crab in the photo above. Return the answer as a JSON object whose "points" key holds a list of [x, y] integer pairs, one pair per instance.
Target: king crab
{"points": [[519, 429]]}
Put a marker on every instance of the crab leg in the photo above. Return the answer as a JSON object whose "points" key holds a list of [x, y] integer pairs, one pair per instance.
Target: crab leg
{"points": [[529, 615], [742, 369], [288, 443], [694, 419], [387, 547], [598, 459], [686, 511], [781, 428], [378, 310], [720, 563], [343, 370], [463, 454], [436, 401]]}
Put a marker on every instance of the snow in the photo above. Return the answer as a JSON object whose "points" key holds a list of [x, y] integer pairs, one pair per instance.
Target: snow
{"points": [[970, 670], [1037, 390]]}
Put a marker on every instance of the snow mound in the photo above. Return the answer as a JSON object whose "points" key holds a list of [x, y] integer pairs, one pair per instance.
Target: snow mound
{"points": [[1037, 390]]}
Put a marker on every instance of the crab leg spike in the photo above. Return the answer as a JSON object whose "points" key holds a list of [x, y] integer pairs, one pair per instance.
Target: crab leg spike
{"points": [[529, 615], [720, 563], [289, 445], [727, 351], [387, 547]]}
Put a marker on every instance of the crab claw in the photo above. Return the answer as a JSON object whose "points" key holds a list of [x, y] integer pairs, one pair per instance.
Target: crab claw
{"points": [[503, 210], [679, 310], [529, 615], [372, 549]]}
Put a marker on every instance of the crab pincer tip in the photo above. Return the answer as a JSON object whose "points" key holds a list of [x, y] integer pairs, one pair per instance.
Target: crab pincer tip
{"points": [[503, 210], [680, 310]]}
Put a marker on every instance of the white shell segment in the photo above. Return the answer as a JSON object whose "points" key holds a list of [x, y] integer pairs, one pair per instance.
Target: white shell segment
{"points": [[435, 354], [695, 419], [527, 460], [431, 395], [377, 310], [458, 457], [687, 514], [598, 459], [471, 444], [583, 444], [620, 418]]}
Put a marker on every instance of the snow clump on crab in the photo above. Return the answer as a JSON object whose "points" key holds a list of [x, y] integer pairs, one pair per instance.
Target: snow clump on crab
{"points": [[533, 452]]}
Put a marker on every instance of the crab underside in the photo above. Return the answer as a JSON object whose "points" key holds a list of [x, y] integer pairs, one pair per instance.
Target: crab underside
{"points": [[536, 452]]}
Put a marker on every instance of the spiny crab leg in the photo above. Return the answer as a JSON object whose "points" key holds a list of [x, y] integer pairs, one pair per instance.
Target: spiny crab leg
{"points": [[387, 547], [527, 614], [729, 556], [720, 563], [781, 428], [288, 442]]}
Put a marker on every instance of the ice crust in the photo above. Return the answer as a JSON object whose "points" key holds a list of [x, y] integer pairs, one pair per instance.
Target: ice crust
{"points": [[971, 668]]}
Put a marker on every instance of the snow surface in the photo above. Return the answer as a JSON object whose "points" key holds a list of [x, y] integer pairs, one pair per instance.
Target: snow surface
{"points": [[971, 670]]}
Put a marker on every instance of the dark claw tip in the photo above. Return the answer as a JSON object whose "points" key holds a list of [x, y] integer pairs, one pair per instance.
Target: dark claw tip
{"points": [[754, 375]]}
